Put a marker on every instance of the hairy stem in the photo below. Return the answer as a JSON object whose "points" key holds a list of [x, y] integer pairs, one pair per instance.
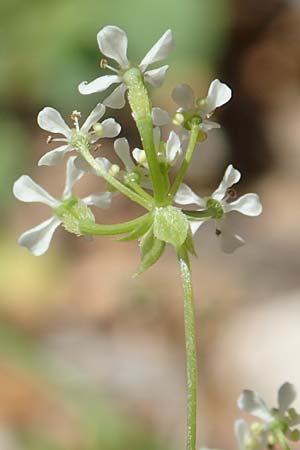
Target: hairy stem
{"points": [[191, 349], [187, 159], [141, 108], [85, 153], [88, 227]]}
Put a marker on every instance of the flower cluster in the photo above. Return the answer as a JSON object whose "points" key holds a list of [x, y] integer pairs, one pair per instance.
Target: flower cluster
{"points": [[143, 173], [276, 426]]}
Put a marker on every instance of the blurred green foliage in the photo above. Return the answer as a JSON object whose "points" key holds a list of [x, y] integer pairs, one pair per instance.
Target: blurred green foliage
{"points": [[100, 425]]}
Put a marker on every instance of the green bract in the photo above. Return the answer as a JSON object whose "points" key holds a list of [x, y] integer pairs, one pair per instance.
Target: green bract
{"points": [[170, 225]]}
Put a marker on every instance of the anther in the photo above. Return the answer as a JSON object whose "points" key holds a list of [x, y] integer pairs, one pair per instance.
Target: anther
{"points": [[75, 115], [231, 193], [218, 232], [103, 63], [49, 139]]}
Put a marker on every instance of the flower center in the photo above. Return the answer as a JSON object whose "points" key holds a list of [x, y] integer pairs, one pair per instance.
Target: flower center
{"points": [[216, 207]]}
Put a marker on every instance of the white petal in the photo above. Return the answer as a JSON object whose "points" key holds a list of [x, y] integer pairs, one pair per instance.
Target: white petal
{"points": [[156, 77], [38, 239], [252, 403], [183, 96], [160, 117], [102, 200], [185, 196], [104, 163], [218, 94], [113, 43], [159, 51], [54, 156], [286, 396], [27, 190], [81, 164], [231, 177], [241, 432], [195, 226], [111, 128], [93, 118], [123, 151], [156, 137], [248, 204], [99, 84], [73, 174], [50, 120], [117, 98], [230, 241], [208, 125], [173, 148], [136, 153]]}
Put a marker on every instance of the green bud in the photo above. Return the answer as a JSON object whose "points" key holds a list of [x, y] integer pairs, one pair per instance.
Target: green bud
{"points": [[133, 177], [114, 170], [178, 119], [98, 128]]}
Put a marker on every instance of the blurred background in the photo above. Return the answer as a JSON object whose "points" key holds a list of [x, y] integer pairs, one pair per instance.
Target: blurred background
{"points": [[89, 357]]}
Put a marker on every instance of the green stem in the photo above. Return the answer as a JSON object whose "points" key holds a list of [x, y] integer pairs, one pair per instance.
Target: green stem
{"points": [[141, 107], [191, 349], [187, 159], [140, 191], [90, 228], [85, 153]]}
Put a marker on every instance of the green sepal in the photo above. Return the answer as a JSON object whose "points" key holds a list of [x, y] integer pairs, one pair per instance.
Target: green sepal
{"points": [[151, 250], [170, 225], [139, 231], [189, 244]]}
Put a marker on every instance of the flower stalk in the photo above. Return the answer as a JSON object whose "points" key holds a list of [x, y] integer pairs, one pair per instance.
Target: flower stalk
{"points": [[141, 107], [85, 153], [187, 159], [191, 349]]}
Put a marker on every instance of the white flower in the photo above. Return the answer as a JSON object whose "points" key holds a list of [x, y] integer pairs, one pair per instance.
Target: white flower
{"points": [[38, 239], [167, 153], [253, 403], [247, 439], [183, 95], [49, 119], [248, 204], [112, 42]]}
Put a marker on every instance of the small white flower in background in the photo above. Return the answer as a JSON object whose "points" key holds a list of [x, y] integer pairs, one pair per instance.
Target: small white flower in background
{"points": [[183, 95], [38, 239], [249, 439], [113, 42], [49, 119], [248, 204], [167, 153], [283, 416]]}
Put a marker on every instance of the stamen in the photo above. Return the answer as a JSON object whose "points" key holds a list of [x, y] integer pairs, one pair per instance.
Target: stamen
{"points": [[49, 139], [96, 147], [75, 116], [218, 232], [104, 65]]}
